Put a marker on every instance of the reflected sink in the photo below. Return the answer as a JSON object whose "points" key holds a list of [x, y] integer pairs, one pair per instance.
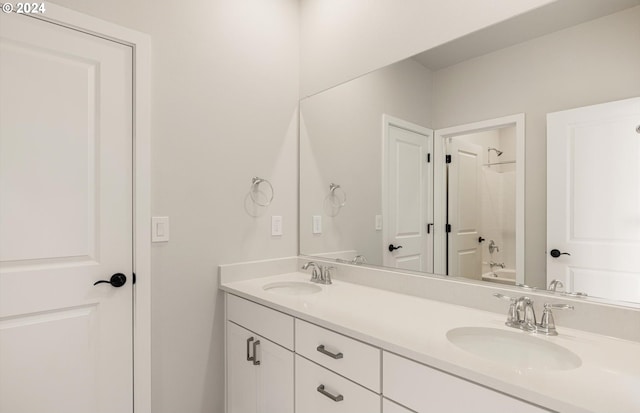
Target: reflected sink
{"points": [[514, 348], [292, 288]]}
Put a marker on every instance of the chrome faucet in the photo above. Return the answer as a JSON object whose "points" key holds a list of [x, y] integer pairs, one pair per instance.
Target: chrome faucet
{"points": [[522, 315], [493, 264], [359, 259], [493, 247], [554, 285], [317, 270], [325, 275], [320, 274]]}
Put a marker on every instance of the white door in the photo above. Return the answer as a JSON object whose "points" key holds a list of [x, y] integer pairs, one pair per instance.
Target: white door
{"points": [[593, 199], [464, 209], [408, 205], [65, 219]]}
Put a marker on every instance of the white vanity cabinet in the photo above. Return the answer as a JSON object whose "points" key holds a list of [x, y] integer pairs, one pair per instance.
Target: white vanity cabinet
{"points": [[334, 373], [425, 389], [259, 366]]}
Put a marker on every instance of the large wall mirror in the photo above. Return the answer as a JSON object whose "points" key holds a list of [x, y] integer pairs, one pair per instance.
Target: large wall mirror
{"points": [[439, 163]]}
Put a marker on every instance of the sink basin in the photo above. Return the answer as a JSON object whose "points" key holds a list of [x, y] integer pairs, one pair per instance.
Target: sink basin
{"points": [[514, 348], [292, 288]]}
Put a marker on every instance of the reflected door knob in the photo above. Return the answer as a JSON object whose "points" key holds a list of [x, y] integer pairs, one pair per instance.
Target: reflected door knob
{"points": [[556, 253], [117, 280], [392, 247]]}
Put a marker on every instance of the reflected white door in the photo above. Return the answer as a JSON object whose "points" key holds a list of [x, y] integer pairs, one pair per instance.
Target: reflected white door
{"points": [[65, 219], [408, 205], [593, 199], [464, 209]]}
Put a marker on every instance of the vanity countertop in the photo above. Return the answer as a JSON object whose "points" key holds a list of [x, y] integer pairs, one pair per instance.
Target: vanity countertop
{"points": [[607, 380]]}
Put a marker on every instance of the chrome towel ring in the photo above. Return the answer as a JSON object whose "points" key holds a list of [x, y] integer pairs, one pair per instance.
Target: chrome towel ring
{"points": [[337, 196], [254, 190]]}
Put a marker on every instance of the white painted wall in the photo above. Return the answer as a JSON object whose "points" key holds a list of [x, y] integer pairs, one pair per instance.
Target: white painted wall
{"points": [[341, 142], [225, 89], [343, 39], [591, 63]]}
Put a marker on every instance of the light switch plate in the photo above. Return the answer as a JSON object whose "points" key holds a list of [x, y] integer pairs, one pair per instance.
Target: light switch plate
{"points": [[276, 225], [378, 222], [317, 224], [159, 229]]}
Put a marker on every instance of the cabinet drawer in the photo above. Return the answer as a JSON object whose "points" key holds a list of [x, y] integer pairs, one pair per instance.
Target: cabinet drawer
{"points": [[309, 399], [425, 389], [390, 407], [358, 361], [271, 324]]}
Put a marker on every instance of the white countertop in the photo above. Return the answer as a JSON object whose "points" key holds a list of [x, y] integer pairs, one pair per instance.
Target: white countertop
{"points": [[607, 381]]}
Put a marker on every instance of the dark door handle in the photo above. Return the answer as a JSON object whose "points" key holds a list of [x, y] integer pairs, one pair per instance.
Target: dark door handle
{"points": [[556, 253], [117, 280], [480, 239], [392, 247]]}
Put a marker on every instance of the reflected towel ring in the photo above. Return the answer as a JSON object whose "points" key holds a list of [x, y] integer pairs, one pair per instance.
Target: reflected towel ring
{"points": [[255, 188], [337, 193]]}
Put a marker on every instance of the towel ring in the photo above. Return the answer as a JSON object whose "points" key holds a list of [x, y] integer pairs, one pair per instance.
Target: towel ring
{"points": [[255, 188], [337, 193]]}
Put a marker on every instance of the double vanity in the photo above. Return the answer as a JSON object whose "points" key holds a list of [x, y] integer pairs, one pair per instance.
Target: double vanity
{"points": [[297, 346]]}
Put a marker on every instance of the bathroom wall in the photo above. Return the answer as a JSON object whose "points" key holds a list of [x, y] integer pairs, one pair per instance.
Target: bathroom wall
{"points": [[224, 109], [343, 39], [348, 120], [591, 63]]}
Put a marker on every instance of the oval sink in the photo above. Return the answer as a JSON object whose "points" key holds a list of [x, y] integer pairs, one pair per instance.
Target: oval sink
{"points": [[515, 348], [292, 288]]}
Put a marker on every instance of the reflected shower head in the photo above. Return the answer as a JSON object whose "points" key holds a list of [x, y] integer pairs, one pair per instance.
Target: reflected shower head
{"points": [[498, 152]]}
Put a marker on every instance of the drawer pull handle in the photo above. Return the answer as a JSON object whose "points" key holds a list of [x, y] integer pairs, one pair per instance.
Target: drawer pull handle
{"points": [[256, 362], [249, 357], [322, 391], [326, 352]]}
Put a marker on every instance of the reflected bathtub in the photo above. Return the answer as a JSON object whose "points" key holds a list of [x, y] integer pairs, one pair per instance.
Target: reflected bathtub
{"points": [[501, 276]]}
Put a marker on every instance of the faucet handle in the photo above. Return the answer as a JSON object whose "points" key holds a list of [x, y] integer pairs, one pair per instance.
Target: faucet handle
{"points": [[547, 324], [558, 306], [512, 316], [504, 297], [325, 276]]}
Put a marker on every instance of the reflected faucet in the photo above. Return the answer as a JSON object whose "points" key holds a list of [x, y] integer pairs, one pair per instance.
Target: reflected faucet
{"points": [[554, 285], [493, 264], [493, 247]]}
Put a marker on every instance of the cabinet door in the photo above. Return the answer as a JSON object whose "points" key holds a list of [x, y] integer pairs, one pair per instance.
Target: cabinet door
{"points": [[425, 389], [241, 374], [274, 377]]}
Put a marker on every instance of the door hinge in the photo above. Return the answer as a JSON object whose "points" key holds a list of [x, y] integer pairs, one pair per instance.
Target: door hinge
{"points": [[447, 159], [428, 158], [134, 277], [447, 228], [429, 228]]}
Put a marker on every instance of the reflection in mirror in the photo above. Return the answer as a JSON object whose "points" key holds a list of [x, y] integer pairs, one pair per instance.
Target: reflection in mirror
{"points": [[342, 140], [481, 205]]}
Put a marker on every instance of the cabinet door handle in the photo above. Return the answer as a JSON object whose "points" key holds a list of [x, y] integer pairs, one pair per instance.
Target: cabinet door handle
{"points": [[249, 357], [256, 362], [322, 391], [322, 350]]}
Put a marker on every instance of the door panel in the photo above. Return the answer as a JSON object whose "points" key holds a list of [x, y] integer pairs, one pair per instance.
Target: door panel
{"points": [[593, 199], [65, 219], [464, 212], [409, 182]]}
